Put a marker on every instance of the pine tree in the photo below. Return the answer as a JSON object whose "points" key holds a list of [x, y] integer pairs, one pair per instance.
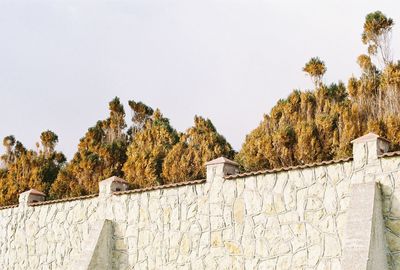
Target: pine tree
{"points": [[147, 151], [141, 113], [200, 143], [376, 34], [30, 169], [101, 154], [316, 69]]}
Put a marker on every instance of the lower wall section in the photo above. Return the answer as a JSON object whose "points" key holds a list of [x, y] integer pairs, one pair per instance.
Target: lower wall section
{"points": [[287, 220], [44, 237]]}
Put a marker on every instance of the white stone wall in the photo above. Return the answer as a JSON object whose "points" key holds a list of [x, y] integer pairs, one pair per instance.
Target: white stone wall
{"points": [[44, 237], [286, 220], [389, 177]]}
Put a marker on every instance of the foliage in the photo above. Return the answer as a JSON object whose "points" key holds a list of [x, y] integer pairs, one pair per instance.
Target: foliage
{"points": [[306, 127], [376, 34], [29, 169], [101, 154], [319, 125], [147, 151], [316, 69], [200, 143]]}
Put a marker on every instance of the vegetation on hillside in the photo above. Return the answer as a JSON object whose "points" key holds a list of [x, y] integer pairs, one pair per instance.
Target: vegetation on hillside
{"points": [[308, 126], [317, 125]]}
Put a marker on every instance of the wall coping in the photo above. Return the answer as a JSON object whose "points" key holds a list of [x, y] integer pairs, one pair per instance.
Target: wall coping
{"points": [[179, 184], [8, 206], [369, 137], [290, 168], [65, 200]]}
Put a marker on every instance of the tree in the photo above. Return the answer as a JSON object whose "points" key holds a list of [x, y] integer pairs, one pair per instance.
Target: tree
{"points": [[304, 128], [316, 69], [319, 125], [116, 121], [101, 154], [49, 140], [30, 169], [141, 113], [8, 143], [377, 34], [200, 143], [147, 151]]}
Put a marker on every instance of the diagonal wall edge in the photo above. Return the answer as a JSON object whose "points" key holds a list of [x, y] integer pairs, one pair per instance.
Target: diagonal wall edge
{"points": [[97, 249], [364, 242]]}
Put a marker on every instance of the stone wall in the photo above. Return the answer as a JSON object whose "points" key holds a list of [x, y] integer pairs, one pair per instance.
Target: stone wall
{"points": [[293, 218]]}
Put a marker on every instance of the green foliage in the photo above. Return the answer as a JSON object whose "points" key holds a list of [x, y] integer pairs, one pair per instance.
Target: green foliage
{"points": [[29, 169], [8, 143], [314, 126], [147, 152], [101, 154], [304, 128], [49, 140], [376, 34], [200, 143], [316, 69], [141, 113]]}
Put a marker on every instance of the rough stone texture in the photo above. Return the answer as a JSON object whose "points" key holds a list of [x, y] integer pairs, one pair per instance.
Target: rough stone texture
{"points": [[294, 219], [286, 220]]}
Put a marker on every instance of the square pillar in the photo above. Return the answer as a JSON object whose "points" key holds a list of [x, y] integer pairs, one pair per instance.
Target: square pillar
{"points": [[221, 167], [31, 196], [367, 149], [113, 184]]}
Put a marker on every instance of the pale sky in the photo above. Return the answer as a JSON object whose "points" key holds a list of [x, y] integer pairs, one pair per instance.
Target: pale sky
{"points": [[61, 61]]}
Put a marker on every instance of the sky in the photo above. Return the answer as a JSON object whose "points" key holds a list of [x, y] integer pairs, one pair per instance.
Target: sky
{"points": [[61, 61]]}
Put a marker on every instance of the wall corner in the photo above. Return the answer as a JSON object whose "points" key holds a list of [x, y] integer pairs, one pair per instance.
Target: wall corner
{"points": [[364, 245]]}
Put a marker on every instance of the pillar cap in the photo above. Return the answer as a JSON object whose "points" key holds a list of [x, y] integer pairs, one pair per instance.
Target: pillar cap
{"points": [[221, 160], [115, 179], [34, 192], [369, 137]]}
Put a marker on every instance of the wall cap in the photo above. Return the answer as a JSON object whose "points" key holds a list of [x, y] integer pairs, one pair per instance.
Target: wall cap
{"points": [[221, 160], [369, 137], [115, 179], [34, 192]]}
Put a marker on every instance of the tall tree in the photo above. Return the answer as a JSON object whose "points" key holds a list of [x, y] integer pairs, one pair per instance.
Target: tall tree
{"points": [[8, 143], [200, 143], [147, 151], [306, 127], [319, 125], [101, 154], [30, 169], [141, 113], [49, 140], [316, 69], [377, 34]]}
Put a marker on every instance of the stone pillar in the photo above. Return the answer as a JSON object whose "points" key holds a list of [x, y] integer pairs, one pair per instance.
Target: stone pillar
{"points": [[221, 167], [110, 185], [367, 149], [30, 196], [217, 169], [364, 244]]}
